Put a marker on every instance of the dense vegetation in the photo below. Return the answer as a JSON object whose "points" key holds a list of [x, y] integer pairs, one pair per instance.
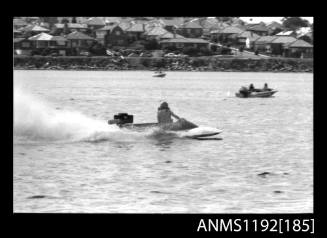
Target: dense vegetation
{"points": [[204, 63]]}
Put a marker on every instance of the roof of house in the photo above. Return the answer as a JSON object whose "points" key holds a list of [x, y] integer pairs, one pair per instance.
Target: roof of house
{"points": [[156, 31], [242, 27], [95, 21], [300, 44], [76, 35], [210, 23], [16, 40], [309, 34], [135, 28], [228, 30], [265, 39], [274, 25], [35, 28], [191, 24], [248, 34], [285, 33], [107, 28], [124, 25], [169, 35], [172, 22], [41, 37], [58, 38], [186, 40], [71, 25], [257, 27], [284, 40]]}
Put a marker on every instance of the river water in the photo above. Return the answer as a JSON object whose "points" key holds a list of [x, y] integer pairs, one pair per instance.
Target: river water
{"points": [[68, 159]]}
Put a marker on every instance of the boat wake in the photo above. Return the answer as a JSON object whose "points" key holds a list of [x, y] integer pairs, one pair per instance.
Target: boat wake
{"points": [[36, 120]]}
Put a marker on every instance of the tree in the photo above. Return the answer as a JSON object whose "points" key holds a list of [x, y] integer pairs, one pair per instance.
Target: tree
{"points": [[64, 20], [97, 49], [294, 23], [66, 30]]}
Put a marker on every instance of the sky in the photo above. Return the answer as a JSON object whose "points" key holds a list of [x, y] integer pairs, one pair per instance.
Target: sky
{"points": [[268, 19]]}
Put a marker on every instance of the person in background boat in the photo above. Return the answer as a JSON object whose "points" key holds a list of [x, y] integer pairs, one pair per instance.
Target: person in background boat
{"points": [[165, 115], [244, 91], [265, 87], [251, 88]]}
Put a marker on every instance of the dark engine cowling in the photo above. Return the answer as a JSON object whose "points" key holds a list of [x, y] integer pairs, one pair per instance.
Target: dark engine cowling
{"points": [[121, 118]]}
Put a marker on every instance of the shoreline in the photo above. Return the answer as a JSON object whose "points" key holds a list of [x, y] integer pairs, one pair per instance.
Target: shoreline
{"points": [[189, 64], [148, 70]]}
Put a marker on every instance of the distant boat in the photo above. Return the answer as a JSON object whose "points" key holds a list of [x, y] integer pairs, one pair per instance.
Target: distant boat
{"points": [[159, 74], [261, 94]]}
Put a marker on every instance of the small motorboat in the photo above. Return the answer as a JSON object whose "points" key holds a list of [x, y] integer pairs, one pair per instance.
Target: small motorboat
{"points": [[159, 74], [251, 92], [256, 94]]}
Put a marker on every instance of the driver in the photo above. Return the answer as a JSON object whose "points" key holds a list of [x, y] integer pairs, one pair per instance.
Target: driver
{"points": [[165, 115]]}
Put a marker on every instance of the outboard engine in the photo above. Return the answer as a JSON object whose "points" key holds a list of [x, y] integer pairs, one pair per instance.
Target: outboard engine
{"points": [[121, 118]]}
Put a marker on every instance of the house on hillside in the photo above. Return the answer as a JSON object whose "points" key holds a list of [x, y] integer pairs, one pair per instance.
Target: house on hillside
{"points": [[299, 49], [155, 33], [125, 25], [169, 35], [53, 44], [305, 33], [262, 44], [259, 29], [208, 24], [94, 23], [135, 32], [279, 45], [41, 41], [226, 35], [247, 39], [32, 30], [308, 37], [190, 30], [22, 46], [79, 41], [111, 35], [274, 28], [181, 43], [172, 24], [63, 29]]}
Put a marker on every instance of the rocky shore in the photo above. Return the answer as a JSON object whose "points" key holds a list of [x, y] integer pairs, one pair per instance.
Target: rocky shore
{"points": [[167, 64]]}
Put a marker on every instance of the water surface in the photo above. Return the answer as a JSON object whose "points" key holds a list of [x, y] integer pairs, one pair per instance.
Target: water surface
{"points": [[72, 161]]}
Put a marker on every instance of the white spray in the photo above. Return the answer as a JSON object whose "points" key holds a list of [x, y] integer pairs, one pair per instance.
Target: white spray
{"points": [[36, 120]]}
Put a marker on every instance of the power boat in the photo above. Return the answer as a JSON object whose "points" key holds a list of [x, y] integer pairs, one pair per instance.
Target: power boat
{"points": [[182, 126], [262, 94], [245, 92], [159, 74]]}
